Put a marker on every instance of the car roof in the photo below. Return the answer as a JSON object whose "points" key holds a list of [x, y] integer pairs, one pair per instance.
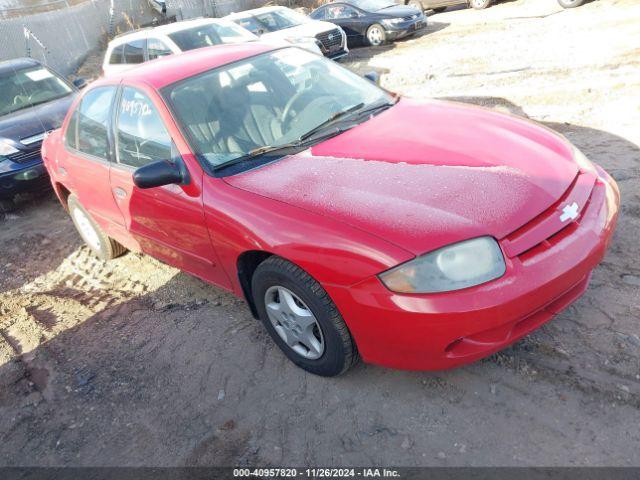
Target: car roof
{"points": [[166, 29], [173, 68], [255, 11], [10, 65]]}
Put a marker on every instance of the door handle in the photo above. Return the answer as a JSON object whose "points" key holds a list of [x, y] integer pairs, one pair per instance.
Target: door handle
{"points": [[119, 192]]}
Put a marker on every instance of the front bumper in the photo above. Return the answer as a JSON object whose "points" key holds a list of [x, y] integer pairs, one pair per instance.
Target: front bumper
{"points": [[19, 178], [445, 330], [405, 29]]}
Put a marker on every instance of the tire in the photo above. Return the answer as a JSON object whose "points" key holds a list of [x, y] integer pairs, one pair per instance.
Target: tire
{"points": [[376, 35], [274, 284], [439, 9], [416, 4], [570, 3], [103, 246], [479, 4]]}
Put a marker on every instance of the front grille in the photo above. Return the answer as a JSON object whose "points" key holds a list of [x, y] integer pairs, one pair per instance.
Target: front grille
{"points": [[549, 227], [330, 40], [410, 17], [25, 156]]}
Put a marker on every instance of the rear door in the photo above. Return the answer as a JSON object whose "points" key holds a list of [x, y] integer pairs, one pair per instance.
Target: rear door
{"points": [[167, 222], [89, 147]]}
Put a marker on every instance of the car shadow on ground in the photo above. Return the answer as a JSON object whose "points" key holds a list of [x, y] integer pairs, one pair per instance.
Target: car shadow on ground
{"points": [[365, 52]]}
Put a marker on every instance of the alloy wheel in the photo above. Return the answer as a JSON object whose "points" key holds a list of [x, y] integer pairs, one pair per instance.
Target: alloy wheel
{"points": [[375, 35]]}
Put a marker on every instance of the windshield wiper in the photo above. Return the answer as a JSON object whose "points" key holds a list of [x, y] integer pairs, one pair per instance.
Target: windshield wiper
{"points": [[332, 118], [258, 152], [266, 149]]}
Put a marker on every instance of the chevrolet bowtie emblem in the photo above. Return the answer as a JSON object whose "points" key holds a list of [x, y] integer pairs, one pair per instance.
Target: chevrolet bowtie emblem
{"points": [[569, 212]]}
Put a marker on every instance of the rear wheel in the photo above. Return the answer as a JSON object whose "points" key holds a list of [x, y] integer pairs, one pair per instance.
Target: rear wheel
{"points": [[301, 318], [570, 3], [376, 35], [103, 246], [479, 4], [416, 4]]}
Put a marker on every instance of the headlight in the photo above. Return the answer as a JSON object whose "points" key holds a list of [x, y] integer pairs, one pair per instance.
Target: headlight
{"points": [[392, 21], [6, 148], [453, 267]]}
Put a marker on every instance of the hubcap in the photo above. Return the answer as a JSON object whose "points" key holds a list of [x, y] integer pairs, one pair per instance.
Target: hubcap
{"points": [[375, 36], [295, 323], [87, 231]]}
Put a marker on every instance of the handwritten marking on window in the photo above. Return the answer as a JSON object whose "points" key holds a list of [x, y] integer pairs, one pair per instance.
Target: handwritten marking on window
{"points": [[136, 108]]}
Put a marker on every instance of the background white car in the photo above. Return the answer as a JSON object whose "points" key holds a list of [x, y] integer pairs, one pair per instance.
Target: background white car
{"points": [[281, 23], [139, 46]]}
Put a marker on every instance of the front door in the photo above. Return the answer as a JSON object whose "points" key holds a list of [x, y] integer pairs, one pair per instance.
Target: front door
{"points": [[167, 222]]}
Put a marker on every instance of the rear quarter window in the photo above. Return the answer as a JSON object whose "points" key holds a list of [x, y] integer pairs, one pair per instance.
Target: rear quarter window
{"points": [[116, 57], [134, 51]]}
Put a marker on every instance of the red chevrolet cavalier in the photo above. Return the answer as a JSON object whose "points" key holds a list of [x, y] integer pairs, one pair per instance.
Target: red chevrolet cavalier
{"points": [[415, 234]]}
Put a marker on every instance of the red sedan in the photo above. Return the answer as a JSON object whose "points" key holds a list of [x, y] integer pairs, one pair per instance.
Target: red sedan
{"points": [[413, 234]]}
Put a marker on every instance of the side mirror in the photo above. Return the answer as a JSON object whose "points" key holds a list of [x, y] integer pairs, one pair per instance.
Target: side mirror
{"points": [[160, 173], [79, 82], [373, 77]]}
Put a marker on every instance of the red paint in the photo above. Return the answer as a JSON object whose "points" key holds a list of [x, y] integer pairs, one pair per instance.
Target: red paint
{"points": [[414, 178]]}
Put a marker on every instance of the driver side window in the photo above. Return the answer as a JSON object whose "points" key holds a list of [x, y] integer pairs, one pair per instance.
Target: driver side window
{"points": [[141, 136]]}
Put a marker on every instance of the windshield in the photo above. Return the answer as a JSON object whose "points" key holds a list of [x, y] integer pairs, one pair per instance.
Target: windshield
{"points": [[372, 5], [272, 21], [268, 100], [210, 34], [28, 87]]}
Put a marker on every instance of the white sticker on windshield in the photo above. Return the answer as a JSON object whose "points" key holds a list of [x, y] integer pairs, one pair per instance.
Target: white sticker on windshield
{"points": [[37, 75]]}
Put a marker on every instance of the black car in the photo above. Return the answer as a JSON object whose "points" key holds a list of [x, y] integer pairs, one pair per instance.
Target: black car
{"points": [[372, 21], [33, 100]]}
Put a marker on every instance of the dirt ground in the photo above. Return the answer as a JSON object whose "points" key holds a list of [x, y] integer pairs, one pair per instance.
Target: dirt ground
{"points": [[134, 363]]}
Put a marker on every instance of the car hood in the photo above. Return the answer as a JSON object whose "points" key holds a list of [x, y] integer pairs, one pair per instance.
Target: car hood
{"points": [[425, 174], [32, 121], [308, 29]]}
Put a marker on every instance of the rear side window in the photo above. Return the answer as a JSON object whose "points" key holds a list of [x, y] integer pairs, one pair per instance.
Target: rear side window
{"points": [[157, 49], [134, 51], [116, 55], [251, 24], [92, 122], [141, 136], [319, 14]]}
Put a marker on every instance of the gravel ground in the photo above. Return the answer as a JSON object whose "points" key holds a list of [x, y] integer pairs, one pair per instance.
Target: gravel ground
{"points": [[134, 363]]}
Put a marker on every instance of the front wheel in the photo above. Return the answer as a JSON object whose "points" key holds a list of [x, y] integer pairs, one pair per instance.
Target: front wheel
{"points": [[301, 318], [479, 4], [416, 4], [570, 3], [376, 35], [103, 246]]}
